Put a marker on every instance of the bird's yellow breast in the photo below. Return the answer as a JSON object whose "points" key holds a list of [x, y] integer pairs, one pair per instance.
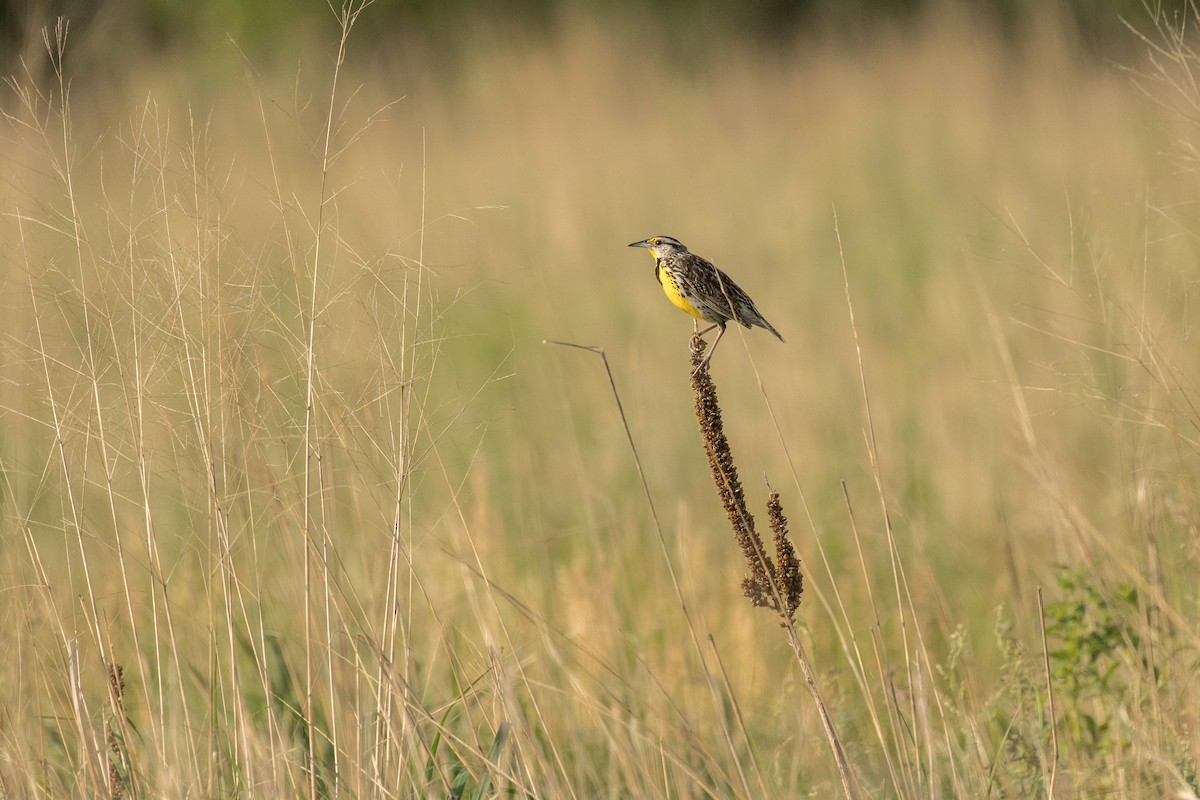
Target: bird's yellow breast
{"points": [[671, 289]]}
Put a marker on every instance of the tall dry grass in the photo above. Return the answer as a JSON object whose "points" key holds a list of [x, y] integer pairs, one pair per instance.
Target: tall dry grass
{"points": [[282, 449]]}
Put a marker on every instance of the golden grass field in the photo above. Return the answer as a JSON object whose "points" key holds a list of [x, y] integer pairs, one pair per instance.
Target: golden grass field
{"points": [[280, 435]]}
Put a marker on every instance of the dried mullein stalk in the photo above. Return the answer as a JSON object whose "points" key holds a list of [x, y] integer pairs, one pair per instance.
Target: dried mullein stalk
{"points": [[768, 584]]}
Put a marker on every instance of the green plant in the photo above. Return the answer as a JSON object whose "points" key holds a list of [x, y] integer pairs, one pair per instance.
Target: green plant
{"points": [[1096, 636]]}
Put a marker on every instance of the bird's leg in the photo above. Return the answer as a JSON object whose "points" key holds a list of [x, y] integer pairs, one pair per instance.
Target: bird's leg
{"points": [[716, 342], [708, 356], [696, 334]]}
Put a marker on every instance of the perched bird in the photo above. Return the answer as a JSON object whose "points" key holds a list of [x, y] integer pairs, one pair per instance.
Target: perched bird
{"points": [[694, 285]]}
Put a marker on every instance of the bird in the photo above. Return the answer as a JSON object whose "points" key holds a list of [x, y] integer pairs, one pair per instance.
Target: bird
{"points": [[697, 286]]}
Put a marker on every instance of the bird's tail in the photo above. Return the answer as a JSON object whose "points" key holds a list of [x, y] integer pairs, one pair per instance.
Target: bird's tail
{"points": [[762, 321]]}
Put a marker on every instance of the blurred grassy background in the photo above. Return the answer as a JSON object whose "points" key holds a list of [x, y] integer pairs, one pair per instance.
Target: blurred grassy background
{"points": [[361, 600]]}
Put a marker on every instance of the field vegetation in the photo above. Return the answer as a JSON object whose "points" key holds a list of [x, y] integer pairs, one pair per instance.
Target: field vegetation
{"points": [[298, 501]]}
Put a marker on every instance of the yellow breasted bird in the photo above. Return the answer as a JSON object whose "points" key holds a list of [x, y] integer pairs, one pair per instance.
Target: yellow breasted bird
{"points": [[696, 286]]}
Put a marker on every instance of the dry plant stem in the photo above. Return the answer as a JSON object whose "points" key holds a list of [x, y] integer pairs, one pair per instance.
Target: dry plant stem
{"points": [[280, 204], [880, 667], [628, 433], [835, 742], [399, 557], [775, 584], [772, 583], [91, 753], [789, 581], [116, 779], [35, 558], [662, 539], [737, 709], [1050, 698], [757, 585], [348, 15], [195, 362], [903, 594], [844, 632]]}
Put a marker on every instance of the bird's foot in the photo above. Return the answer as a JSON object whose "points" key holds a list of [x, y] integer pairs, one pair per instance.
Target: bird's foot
{"points": [[697, 346]]}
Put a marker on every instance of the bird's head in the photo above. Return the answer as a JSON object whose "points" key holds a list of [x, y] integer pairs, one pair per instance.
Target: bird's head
{"points": [[661, 246]]}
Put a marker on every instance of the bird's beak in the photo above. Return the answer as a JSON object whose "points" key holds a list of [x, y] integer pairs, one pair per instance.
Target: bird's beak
{"points": [[643, 243]]}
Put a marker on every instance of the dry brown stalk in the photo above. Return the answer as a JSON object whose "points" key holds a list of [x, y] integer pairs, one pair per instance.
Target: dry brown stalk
{"points": [[789, 581], [771, 583], [116, 779]]}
